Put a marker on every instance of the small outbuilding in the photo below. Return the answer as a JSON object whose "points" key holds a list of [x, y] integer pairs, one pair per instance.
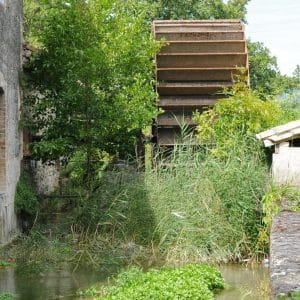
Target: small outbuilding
{"points": [[286, 157]]}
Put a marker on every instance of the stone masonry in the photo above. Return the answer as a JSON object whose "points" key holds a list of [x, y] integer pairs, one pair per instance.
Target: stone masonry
{"points": [[10, 137], [285, 253]]}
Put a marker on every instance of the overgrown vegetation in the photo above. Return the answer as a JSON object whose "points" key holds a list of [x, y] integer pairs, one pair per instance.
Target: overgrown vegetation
{"points": [[188, 282], [204, 202], [203, 9], [102, 93], [197, 203], [7, 296], [26, 200], [241, 115], [265, 77]]}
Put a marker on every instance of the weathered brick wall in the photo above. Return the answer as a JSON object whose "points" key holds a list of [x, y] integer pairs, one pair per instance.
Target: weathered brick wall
{"points": [[10, 142]]}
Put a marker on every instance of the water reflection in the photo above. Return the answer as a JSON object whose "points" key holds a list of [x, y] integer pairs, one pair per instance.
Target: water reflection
{"points": [[50, 285], [247, 283]]}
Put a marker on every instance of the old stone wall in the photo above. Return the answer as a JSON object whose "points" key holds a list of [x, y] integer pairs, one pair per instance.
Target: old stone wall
{"points": [[10, 139], [285, 253]]}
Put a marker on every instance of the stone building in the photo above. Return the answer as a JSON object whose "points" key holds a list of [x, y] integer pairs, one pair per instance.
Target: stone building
{"points": [[286, 157], [10, 136]]}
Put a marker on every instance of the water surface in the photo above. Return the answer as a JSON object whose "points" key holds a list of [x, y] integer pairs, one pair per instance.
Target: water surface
{"points": [[243, 283]]}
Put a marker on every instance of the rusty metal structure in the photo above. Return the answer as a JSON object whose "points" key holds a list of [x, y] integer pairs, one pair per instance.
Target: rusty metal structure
{"points": [[198, 60]]}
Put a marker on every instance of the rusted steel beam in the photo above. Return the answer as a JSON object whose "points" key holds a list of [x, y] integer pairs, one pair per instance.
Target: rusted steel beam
{"points": [[198, 88], [170, 102], [203, 60], [197, 27], [175, 120], [222, 46], [196, 74], [168, 136], [232, 21], [198, 36]]}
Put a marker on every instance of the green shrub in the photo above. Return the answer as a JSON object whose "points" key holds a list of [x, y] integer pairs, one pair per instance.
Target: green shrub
{"points": [[241, 114], [7, 296], [26, 199], [206, 207], [188, 282], [4, 264], [290, 296], [119, 206], [192, 207]]}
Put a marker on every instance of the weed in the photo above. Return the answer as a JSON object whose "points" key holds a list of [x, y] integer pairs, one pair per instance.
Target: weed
{"points": [[206, 207], [7, 296], [188, 282], [4, 264], [26, 200]]}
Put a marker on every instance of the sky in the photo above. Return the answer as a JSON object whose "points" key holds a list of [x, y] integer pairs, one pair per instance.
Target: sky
{"points": [[276, 23]]}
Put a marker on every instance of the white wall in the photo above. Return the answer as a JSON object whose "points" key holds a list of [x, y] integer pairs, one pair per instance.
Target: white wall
{"points": [[286, 166]]}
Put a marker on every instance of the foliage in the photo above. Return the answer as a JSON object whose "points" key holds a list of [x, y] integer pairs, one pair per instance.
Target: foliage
{"points": [[239, 116], [39, 251], [4, 264], [203, 9], [178, 211], [153, 209], [265, 77], [94, 74], [187, 282], [7, 296], [119, 206], [31, 8], [290, 296], [26, 199], [75, 170], [276, 199], [202, 213], [296, 74], [290, 105], [230, 128]]}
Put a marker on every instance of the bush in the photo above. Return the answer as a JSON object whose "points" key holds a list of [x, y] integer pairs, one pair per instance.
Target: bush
{"points": [[120, 207], [188, 282], [7, 296], [193, 206], [206, 207], [26, 199], [241, 114]]}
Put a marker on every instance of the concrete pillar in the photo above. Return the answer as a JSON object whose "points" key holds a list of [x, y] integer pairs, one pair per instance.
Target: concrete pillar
{"points": [[10, 137]]}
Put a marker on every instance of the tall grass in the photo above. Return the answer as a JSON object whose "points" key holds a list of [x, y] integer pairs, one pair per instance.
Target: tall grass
{"points": [[191, 205], [206, 207]]}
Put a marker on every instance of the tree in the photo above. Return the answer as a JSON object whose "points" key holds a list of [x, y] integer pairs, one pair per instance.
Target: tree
{"points": [[296, 74], [201, 9], [265, 76], [95, 74]]}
